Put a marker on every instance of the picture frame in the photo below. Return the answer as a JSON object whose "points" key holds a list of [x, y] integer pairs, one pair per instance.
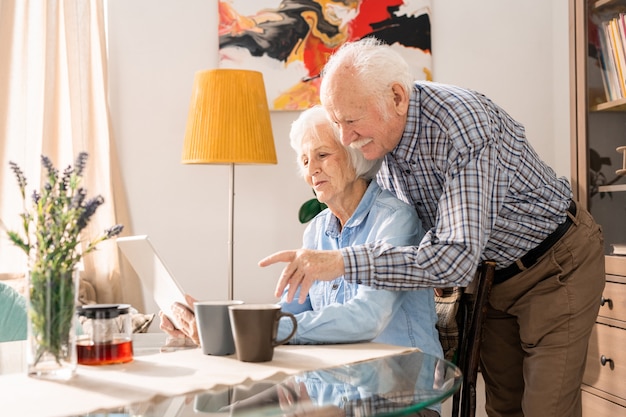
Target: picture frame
{"points": [[289, 41]]}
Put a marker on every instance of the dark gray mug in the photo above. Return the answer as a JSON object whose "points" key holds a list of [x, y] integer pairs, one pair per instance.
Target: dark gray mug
{"points": [[254, 328], [213, 322]]}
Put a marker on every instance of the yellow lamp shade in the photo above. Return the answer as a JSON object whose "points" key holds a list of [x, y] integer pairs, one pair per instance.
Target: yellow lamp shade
{"points": [[229, 120]]}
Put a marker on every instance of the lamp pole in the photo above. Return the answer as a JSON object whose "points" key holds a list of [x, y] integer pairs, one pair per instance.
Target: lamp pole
{"points": [[231, 234]]}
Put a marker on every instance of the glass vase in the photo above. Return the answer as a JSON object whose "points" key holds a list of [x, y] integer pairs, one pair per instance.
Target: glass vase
{"points": [[51, 344]]}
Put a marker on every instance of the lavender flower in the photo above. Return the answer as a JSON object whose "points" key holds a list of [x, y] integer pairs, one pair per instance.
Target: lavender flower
{"points": [[81, 161], [78, 198], [52, 171], [21, 179], [114, 231], [65, 180], [89, 209], [36, 197]]}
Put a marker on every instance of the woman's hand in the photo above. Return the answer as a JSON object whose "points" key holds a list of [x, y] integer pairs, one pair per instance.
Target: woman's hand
{"points": [[184, 315]]}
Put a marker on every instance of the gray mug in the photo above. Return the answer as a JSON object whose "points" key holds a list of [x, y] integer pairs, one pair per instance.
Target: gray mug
{"points": [[213, 322], [255, 327]]}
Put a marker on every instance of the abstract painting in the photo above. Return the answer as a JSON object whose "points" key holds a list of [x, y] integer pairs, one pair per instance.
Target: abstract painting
{"points": [[289, 41]]}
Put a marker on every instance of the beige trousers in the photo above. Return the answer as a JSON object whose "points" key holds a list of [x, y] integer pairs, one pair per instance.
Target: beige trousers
{"points": [[538, 325]]}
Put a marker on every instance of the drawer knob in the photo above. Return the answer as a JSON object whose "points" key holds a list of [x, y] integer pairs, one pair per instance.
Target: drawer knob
{"points": [[604, 301], [604, 360]]}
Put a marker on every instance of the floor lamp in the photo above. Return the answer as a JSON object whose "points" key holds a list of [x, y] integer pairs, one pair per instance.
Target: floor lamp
{"points": [[229, 123]]}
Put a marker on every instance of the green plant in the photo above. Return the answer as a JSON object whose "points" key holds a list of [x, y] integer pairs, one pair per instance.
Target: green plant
{"points": [[51, 238], [309, 209]]}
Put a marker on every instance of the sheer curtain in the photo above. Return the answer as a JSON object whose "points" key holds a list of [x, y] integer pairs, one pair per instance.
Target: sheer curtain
{"points": [[53, 102]]}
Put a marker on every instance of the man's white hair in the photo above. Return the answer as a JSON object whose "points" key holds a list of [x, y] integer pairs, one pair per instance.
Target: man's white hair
{"points": [[376, 67]]}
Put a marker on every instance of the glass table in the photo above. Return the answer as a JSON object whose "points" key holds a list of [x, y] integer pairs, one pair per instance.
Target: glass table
{"points": [[395, 385]]}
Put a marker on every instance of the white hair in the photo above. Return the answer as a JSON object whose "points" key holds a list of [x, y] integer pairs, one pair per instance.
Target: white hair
{"points": [[309, 123], [375, 65]]}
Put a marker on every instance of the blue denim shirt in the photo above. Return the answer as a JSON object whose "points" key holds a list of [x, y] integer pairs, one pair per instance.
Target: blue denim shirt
{"points": [[340, 312]]}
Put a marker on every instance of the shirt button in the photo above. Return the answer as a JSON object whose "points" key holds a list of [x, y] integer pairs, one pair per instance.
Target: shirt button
{"points": [[407, 171], [335, 286], [358, 281]]}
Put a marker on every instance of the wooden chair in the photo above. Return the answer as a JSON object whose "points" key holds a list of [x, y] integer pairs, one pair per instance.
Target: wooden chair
{"points": [[472, 312]]}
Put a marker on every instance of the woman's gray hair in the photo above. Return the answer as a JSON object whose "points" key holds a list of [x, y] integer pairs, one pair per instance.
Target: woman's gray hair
{"points": [[308, 124], [375, 65]]}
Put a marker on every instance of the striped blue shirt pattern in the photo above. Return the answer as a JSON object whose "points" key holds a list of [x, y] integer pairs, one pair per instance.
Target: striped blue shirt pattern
{"points": [[479, 187]]}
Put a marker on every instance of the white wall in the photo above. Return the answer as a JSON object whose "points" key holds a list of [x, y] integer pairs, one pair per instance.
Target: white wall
{"points": [[515, 52], [155, 46]]}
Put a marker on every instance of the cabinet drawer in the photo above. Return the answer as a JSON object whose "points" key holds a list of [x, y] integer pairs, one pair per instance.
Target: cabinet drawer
{"points": [[594, 406], [614, 301], [609, 342]]}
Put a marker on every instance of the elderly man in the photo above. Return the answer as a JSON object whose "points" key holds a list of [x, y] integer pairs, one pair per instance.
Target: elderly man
{"points": [[482, 193]]}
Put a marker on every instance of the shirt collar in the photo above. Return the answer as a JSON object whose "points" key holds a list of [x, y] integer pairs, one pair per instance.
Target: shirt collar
{"points": [[333, 227], [408, 145]]}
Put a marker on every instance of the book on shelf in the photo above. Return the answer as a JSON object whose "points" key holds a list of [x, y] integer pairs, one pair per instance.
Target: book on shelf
{"points": [[618, 55], [605, 70], [607, 60], [611, 55], [618, 249]]}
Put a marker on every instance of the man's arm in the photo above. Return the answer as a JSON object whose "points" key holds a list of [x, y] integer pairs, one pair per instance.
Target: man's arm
{"points": [[304, 266]]}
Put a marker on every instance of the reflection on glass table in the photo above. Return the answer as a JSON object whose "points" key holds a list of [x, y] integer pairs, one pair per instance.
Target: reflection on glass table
{"points": [[390, 386]]}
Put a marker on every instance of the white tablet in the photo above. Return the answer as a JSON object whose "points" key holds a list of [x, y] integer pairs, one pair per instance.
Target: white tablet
{"points": [[154, 275]]}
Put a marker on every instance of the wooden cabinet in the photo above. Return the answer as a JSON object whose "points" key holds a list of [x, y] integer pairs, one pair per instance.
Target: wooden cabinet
{"points": [[606, 359], [598, 114]]}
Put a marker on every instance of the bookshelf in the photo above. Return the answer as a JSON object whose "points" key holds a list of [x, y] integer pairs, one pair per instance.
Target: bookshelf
{"points": [[612, 188], [615, 105], [598, 132]]}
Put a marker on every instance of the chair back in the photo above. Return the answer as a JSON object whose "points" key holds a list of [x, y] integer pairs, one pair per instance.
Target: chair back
{"points": [[471, 316]]}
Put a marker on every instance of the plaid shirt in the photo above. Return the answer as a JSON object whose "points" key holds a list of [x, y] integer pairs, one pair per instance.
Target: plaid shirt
{"points": [[479, 187]]}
